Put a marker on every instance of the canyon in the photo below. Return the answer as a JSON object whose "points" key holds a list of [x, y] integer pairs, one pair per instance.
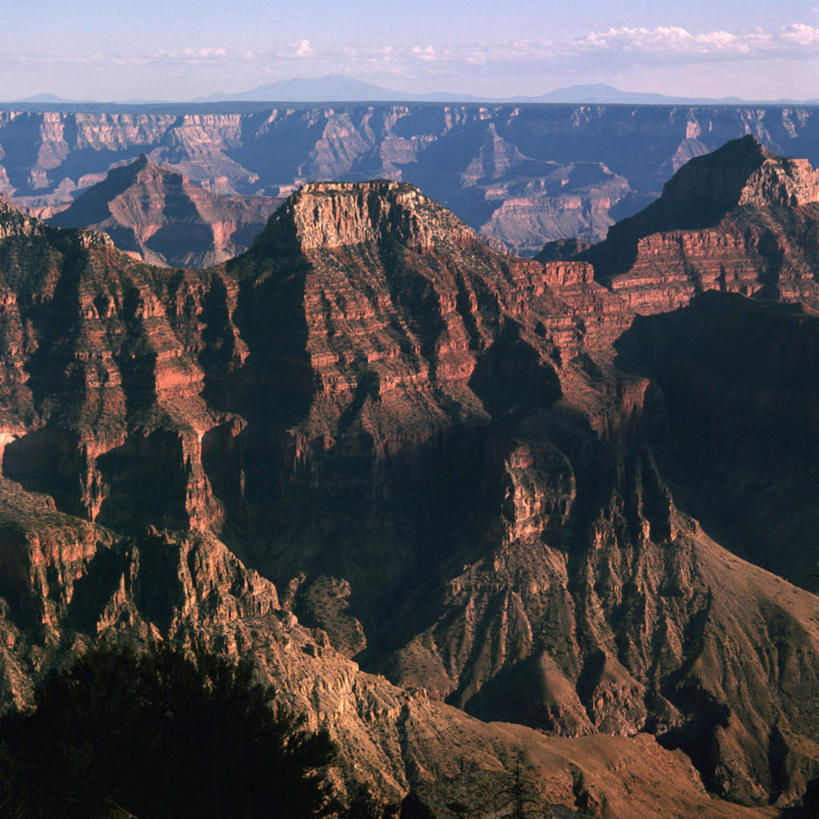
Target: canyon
{"points": [[495, 522], [519, 174]]}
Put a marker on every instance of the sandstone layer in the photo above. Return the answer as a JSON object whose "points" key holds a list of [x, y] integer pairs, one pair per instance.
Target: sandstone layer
{"points": [[739, 220]]}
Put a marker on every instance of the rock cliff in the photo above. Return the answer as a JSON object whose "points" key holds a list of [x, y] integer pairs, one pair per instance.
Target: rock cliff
{"points": [[740, 220], [371, 445], [67, 583]]}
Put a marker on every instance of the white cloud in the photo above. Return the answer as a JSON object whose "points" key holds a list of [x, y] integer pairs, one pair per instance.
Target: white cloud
{"points": [[204, 53], [302, 48], [661, 45], [801, 34], [518, 64], [677, 41], [426, 53]]}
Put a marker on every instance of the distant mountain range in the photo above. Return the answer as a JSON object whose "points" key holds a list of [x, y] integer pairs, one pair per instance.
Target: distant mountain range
{"points": [[343, 88], [339, 87], [332, 88], [44, 98]]}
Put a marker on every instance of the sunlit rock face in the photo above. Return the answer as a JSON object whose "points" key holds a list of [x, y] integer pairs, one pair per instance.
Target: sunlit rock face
{"points": [[739, 220]]}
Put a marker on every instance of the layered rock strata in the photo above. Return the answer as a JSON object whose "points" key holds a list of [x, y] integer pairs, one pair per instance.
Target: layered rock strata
{"points": [[521, 174], [740, 220], [454, 466], [67, 583]]}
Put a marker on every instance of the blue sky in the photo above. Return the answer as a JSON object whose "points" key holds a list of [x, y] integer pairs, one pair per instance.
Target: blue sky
{"points": [[178, 49]]}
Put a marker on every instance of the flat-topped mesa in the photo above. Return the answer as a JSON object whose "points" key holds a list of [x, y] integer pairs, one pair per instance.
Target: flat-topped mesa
{"points": [[326, 215], [738, 219]]}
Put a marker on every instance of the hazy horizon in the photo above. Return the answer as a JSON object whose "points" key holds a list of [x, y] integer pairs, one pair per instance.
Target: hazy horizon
{"points": [[116, 51]]}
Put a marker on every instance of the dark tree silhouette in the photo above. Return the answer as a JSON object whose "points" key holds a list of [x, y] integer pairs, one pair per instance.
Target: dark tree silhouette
{"points": [[159, 734]]}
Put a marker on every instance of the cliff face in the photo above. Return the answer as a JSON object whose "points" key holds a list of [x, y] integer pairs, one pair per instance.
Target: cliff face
{"points": [[739, 220], [455, 467], [158, 216], [520, 174]]}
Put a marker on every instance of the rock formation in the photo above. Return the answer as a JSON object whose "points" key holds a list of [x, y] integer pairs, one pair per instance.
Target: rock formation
{"points": [[158, 216], [371, 445], [519, 174], [68, 582], [740, 220]]}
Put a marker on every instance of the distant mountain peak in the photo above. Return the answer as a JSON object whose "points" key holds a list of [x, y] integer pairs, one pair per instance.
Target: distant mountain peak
{"points": [[331, 87], [44, 98]]}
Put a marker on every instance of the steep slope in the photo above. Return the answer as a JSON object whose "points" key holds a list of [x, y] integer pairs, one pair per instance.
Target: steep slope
{"points": [[432, 451], [398, 336], [158, 216], [736, 435], [741, 220]]}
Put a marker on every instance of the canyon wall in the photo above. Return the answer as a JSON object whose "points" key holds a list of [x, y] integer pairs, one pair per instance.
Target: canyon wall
{"points": [[158, 216], [519, 174], [418, 481]]}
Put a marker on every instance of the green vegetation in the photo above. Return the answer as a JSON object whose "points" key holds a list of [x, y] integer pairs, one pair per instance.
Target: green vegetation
{"points": [[158, 734]]}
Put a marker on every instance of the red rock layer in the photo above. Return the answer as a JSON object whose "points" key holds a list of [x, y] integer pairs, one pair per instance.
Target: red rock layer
{"points": [[740, 220], [522, 174]]}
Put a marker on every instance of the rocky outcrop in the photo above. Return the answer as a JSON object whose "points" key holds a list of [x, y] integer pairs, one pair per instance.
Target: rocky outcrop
{"points": [[562, 250], [156, 215], [453, 472], [740, 220], [520, 174], [96, 386]]}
